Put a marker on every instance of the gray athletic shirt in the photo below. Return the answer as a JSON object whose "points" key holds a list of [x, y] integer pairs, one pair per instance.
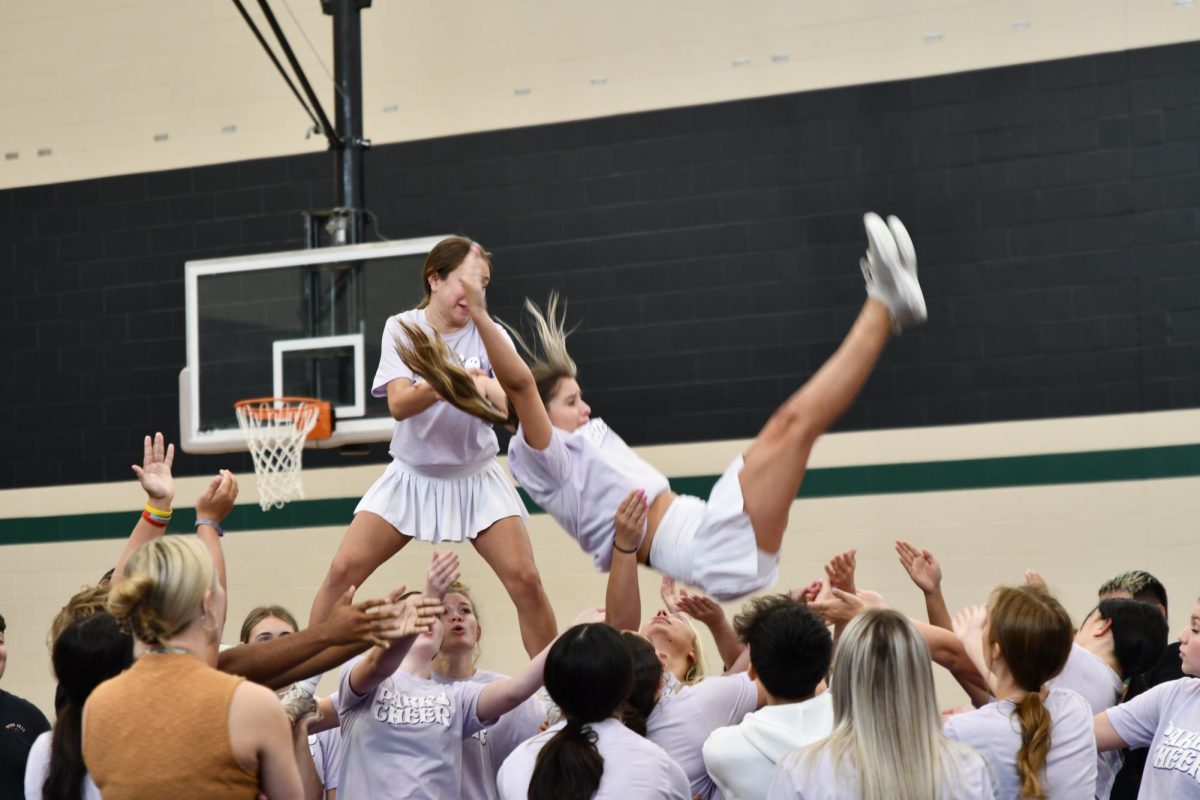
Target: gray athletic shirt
{"points": [[1167, 720], [681, 722], [994, 731], [403, 741], [484, 751]]}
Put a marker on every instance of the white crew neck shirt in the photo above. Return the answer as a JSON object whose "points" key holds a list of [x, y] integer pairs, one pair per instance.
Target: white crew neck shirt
{"points": [[441, 435]]}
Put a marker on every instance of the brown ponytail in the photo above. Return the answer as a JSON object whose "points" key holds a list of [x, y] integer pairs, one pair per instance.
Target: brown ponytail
{"points": [[427, 354], [1035, 744], [1034, 634], [444, 258]]}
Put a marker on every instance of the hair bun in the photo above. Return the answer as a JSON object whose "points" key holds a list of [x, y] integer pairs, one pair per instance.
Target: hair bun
{"points": [[129, 603]]}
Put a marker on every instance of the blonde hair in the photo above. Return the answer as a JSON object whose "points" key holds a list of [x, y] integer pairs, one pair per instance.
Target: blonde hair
{"points": [[548, 358], [445, 257], [87, 602], [1034, 634], [699, 669], [164, 586], [886, 720], [257, 615], [427, 354]]}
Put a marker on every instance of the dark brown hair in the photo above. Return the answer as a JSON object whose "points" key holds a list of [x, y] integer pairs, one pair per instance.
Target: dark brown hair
{"points": [[1034, 634], [444, 258]]}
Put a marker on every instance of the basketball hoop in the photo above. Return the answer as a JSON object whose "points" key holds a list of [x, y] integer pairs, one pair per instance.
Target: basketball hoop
{"points": [[276, 429]]}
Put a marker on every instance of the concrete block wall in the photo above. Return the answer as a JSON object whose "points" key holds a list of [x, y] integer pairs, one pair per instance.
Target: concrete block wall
{"points": [[710, 254]]}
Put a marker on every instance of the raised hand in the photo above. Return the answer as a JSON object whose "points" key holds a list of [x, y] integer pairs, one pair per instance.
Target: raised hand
{"points": [[630, 520], [367, 621], [702, 608], [417, 614], [155, 472], [840, 571], [1034, 578], [443, 571], [669, 594], [474, 271], [921, 566], [968, 626], [807, 594], [218, 497], [839, 607]]}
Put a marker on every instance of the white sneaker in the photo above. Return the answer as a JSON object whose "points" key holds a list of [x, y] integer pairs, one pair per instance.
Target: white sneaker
{"points": [[298, 702], [890, 269]]}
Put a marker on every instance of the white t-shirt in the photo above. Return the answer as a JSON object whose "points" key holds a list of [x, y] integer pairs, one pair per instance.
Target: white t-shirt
{"points": [[634, 768], [965, 776], [326, 751], [404, 739], [682, 721], [38, 767], [1094, 680], [995, 731], [741, 758], [441, 435], [581, 478], [484, 751], [1167, 720]]}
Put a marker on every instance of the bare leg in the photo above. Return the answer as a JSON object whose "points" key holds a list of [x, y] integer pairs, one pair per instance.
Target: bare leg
{"points": [[505, 547], [369, 542], [776, 460]]}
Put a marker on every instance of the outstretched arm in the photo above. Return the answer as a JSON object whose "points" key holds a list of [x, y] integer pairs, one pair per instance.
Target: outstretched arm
{"points": [[155, 477], [500, 697], [511, 370], [926, 573], [349, 630], [213, 505], [418, 614], [622, 599]]}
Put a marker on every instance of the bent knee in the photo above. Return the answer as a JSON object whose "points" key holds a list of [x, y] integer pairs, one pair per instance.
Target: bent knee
{"points": [[524, 583]]}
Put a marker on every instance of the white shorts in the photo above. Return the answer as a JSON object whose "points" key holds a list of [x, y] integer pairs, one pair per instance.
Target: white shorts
{"points": [[450, 508], [712, 545]]}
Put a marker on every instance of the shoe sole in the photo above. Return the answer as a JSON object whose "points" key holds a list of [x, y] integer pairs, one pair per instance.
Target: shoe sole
{"points": [[904, 243]]}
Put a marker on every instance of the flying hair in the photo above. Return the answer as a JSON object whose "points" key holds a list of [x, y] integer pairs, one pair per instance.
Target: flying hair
{"points": [[427, 354], [548, 358]]}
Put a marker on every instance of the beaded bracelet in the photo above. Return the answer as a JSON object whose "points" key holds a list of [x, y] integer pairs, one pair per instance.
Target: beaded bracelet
{"points": [[212, 524]]}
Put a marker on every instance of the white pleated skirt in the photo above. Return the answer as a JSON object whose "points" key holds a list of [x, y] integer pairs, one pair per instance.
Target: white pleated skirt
{"points": [[443, 508]]}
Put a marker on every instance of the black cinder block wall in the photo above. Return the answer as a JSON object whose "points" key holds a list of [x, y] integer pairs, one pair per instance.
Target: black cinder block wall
{"points": [[710, 254]]}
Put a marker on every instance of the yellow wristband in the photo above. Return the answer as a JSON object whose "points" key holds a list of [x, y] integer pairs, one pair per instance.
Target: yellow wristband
{"points": [[157, 511]]}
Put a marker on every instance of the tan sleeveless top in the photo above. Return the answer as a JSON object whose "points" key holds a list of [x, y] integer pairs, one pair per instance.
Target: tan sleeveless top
{"points": [[161, 730]]}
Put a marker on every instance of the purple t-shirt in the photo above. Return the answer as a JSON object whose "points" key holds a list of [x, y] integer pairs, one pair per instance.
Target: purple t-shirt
{"points": [[580, 479], [1094, 680], [634, 768], [403, 741], [1167, 720], [995, 732], [681, 722], [441, 435], [326, 751], [810, 773], [484, 751]]}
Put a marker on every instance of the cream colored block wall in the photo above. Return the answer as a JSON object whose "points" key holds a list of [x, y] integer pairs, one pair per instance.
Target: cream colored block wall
{"points": [[1077, 535], [96, 81]]}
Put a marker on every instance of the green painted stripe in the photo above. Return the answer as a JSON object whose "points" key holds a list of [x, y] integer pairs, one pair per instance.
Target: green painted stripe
{"points": [[1178, 461]]}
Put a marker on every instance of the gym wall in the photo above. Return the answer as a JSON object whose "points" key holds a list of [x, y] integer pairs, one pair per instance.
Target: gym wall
{"points": [[710, 254]]}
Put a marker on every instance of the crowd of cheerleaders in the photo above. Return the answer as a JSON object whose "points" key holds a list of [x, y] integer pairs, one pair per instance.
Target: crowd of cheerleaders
{"points": [[795, 711]]}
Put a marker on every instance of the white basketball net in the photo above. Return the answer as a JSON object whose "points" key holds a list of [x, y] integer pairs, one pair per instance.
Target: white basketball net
{"points": [[275, 431]]}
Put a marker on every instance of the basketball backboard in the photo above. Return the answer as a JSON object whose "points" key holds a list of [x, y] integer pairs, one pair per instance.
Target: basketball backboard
{"points": [[301, 323]]}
